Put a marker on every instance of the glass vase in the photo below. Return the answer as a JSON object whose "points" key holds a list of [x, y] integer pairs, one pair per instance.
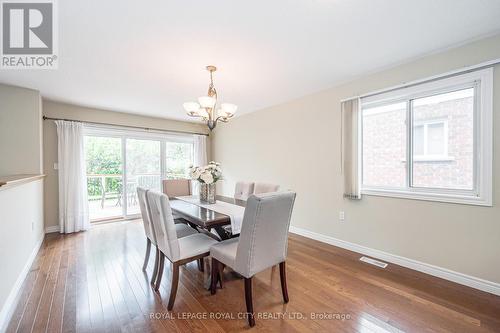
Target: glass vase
{"points": [[207, 193]]}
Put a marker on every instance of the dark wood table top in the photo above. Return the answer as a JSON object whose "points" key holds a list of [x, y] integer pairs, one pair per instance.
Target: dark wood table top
{"points": [[201, 216]]}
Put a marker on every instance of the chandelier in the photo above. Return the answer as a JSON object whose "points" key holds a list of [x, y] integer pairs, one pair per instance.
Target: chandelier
{"points": [[206, 107]]}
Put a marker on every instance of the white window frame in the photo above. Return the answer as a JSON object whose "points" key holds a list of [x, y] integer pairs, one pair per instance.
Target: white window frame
{"points": [[123, 134], [481, 194]]}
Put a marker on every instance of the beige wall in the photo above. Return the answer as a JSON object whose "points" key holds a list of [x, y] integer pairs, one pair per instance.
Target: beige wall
{"points": [[20, 131], [297, 145], [68, 111]]}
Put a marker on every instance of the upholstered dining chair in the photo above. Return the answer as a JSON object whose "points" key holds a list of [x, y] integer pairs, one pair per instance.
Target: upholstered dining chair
{"points": [[243, 190], [177, 188], [178, 251], [148, 227], [182, 230], [262, 243], [265, 188]]}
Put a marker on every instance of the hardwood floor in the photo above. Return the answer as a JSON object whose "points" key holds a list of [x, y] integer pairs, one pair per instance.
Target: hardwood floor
{"points": [[93, 282]]}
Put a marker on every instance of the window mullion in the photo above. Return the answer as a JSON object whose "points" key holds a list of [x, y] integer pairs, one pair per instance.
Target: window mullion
{"points": [[163, 159], [124, 177], [477, 135], [409, 144], [426, 141]]}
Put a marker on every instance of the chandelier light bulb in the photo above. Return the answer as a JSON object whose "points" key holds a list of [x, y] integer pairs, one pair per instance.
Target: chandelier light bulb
{"points": [[228, 109], [191, 107]]}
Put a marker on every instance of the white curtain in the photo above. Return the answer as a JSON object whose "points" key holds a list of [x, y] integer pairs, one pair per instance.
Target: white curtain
{"points": [[350, 159], [200, 150], [73, 204], [200, 156]]}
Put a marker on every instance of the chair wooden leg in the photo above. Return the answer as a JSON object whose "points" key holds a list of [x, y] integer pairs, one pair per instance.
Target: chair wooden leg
{"points": [[248, 300], [284, 289], [220, 274], [173, 288], [201, 263], [155, 268], [148, 251], [214, 276], [160, 271]]}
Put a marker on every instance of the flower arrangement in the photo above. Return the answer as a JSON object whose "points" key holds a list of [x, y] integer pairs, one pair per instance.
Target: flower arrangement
{"points": [[208, 174]]}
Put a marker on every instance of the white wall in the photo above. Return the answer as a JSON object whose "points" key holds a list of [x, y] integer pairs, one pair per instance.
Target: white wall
{"points": [[20, 131], [21, 233], [21, 206], [297, 144]]}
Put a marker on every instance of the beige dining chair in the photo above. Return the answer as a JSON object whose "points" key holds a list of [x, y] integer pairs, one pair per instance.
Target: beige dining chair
{"points": [[148, 228], [243, 190], [182, 230], [177, 188], [265, 188], [178, 251], [262, 243]]}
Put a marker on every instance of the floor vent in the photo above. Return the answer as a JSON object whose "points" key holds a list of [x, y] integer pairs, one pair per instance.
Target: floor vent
{"points": [[374, 262]]}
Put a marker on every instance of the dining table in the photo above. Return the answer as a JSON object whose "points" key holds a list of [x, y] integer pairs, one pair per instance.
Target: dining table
{"points": [[201, 216]]}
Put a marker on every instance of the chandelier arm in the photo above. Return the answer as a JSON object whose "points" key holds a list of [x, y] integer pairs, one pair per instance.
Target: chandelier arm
{"points": [[222, 118]]}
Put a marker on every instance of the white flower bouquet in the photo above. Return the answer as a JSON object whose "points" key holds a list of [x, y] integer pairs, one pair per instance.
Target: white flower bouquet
{"points": [[208, 174]]}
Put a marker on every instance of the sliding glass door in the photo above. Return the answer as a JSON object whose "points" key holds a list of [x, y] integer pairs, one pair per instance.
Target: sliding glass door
{"points": [[179, 156], [119, 161], [104, 163], [143, 169]]}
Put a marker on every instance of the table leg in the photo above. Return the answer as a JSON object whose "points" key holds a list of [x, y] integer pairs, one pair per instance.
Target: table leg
{"points": [[223, 234]]}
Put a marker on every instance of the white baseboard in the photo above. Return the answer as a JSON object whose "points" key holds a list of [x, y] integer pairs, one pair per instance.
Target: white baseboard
{"points": [[466, 280], [52, 228], [9, 306]]}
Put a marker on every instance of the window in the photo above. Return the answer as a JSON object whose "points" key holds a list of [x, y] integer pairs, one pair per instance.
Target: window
{"points": [[430, 141], [118, 161]]}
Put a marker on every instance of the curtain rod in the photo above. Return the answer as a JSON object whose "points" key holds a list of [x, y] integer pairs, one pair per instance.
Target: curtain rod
{"points": [[464, 70], [126, 126]]}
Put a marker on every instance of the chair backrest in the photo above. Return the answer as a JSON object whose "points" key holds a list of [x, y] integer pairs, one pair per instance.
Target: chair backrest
{"points": [[265, 188], [146, 214], [163, 222], [243, 190], [177, 187], [264, 232]]}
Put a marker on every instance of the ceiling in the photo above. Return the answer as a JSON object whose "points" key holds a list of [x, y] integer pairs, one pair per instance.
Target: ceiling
{"points": [[148, 57]]}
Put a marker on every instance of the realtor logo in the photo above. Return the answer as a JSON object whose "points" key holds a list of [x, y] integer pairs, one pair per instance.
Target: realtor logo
{"points": [[28, 34]]}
